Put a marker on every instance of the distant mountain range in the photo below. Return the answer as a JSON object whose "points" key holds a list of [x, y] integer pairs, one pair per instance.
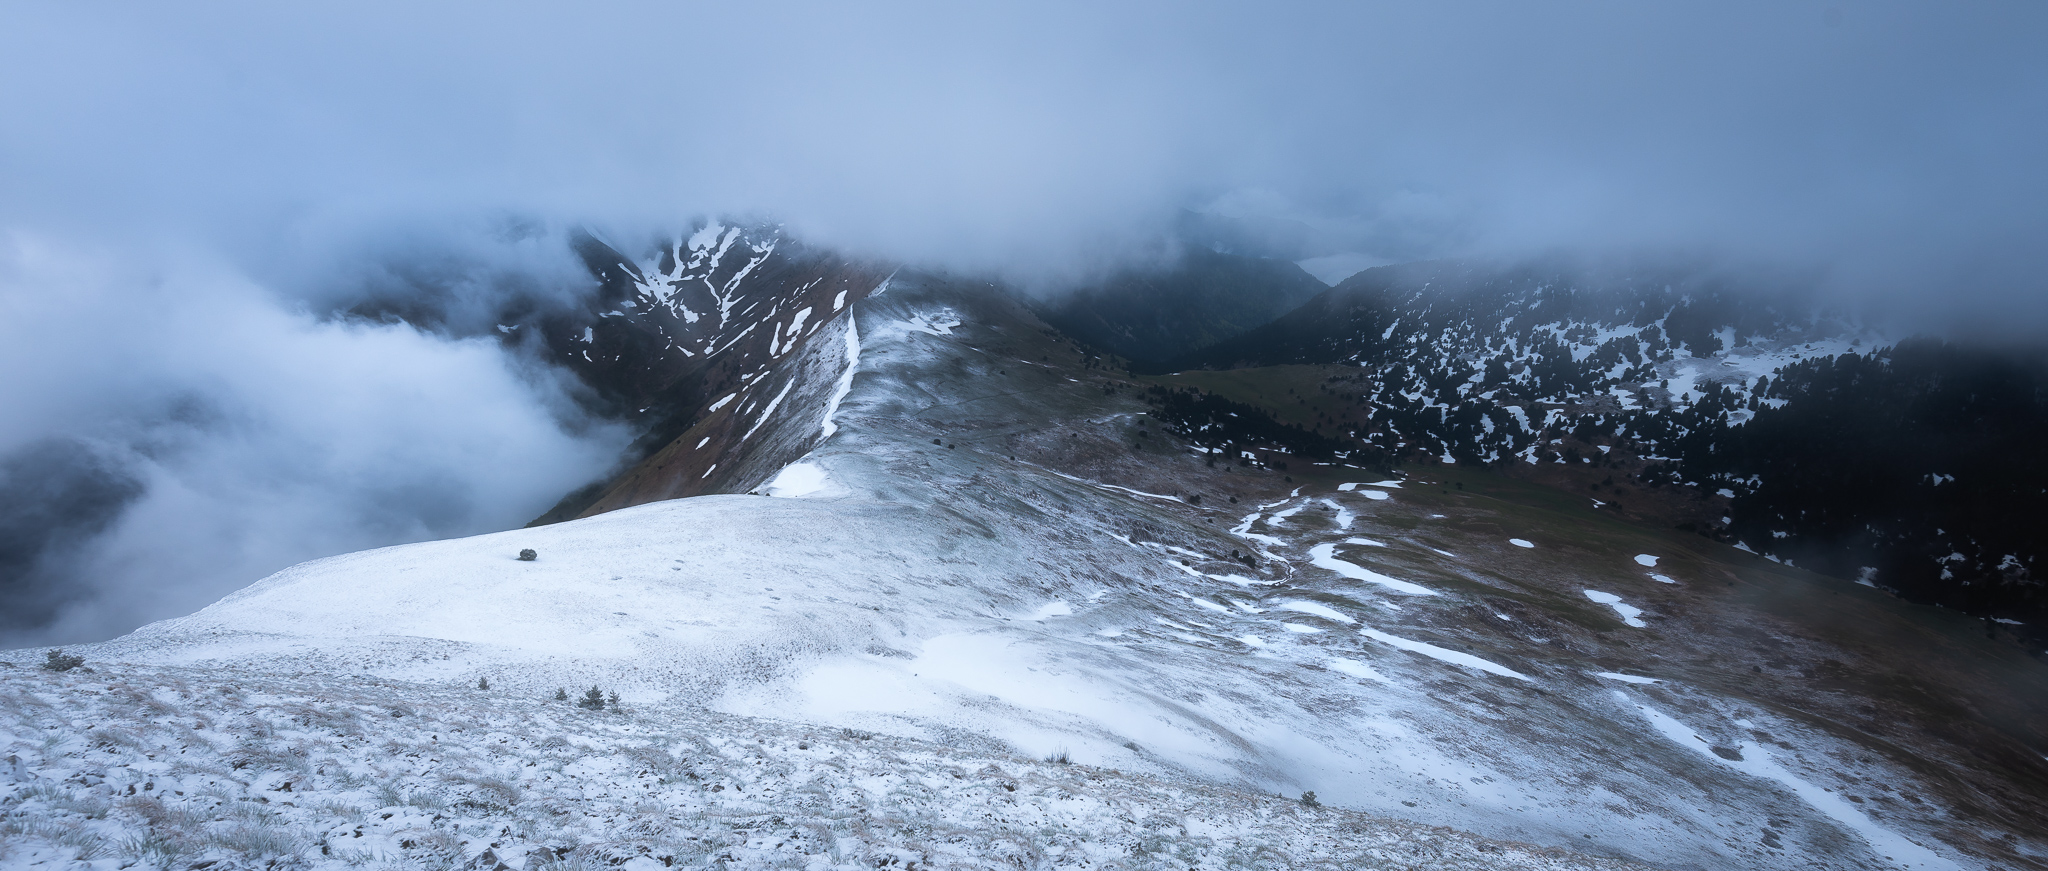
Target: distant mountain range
{"points": [[1795, 432], [1205, 298], [1726, 404]]}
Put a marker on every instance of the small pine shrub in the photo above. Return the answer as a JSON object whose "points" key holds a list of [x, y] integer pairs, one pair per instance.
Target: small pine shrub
{"points": [[561, 695], [613, 698], [483, 683], [1309, 799], [594, 700], [58, 660]]}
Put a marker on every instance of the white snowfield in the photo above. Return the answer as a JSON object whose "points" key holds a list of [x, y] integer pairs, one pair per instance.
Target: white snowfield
{"points": [[952, 594]]}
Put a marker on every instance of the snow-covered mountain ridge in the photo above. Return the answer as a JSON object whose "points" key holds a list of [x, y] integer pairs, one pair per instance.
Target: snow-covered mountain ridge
{"points": [[993, 547]]}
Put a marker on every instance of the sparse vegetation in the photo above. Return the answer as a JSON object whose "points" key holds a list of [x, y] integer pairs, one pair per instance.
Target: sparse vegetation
{"points": [[439, 787], [58, 660]]}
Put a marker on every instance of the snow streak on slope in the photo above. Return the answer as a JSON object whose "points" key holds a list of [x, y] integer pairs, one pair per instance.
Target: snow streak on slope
{"points": [[845, 380], [1756, 762]]}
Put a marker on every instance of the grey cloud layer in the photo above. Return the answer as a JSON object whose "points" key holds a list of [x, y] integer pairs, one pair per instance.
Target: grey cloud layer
{"points": [[174, 432], [184, 187], [1895, 140]]}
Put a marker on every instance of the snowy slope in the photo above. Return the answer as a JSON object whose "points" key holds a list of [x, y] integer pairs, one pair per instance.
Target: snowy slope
{"points": [[978, 556], [191, 769]]}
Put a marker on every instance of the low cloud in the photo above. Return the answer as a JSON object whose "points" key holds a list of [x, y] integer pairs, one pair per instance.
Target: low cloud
{"points": [[177, 432]]}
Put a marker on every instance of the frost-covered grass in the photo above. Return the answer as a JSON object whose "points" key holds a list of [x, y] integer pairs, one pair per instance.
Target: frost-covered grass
{"points": [[184, 768]]}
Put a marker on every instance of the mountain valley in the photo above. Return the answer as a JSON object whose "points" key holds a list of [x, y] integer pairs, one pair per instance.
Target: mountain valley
{"points": [[902, 575]]}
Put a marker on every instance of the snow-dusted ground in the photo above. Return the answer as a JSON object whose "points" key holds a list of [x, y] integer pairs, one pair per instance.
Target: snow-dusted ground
{"points": [[206, 768], [951, 569]]}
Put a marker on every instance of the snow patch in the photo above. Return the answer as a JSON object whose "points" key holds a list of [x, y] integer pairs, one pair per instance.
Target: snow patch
{"points": [[1757, 762], [1355, 669], [769, 411], [1451, 656], [1052, 609], [1324, 556], [1320, 610], [799, 479], [940, 324], [1630, 614]]}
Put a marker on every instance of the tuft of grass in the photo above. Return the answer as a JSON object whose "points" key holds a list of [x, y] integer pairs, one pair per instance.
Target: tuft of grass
{"points": [[162, 817], [355, 858], [488, 791], [87, 843], [257, 755], [62, 800], [578, 859], [155, 849], [117, 736], [1059, 756], [259, 840], [57, 660], [347, 779]]}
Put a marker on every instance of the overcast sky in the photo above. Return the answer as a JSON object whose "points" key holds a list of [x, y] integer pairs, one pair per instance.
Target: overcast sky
{"points": [[1898, 142], [181, 184]]}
